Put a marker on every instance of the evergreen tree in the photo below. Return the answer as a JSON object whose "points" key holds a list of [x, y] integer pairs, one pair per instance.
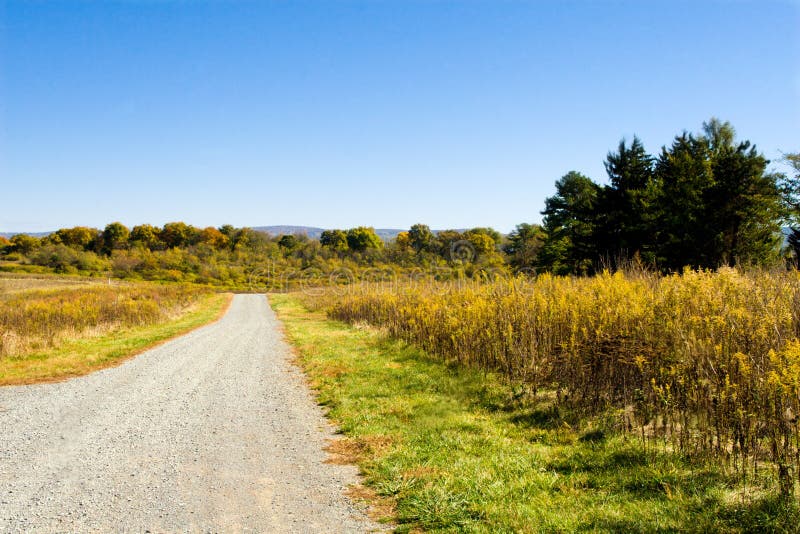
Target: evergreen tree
{"points": [[790, 189], [743, 206], [685, 175], [628, 222], [570, 218]]}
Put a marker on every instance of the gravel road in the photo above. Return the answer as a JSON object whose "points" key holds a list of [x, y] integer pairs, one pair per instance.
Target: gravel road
{"points": [[214, 431]]}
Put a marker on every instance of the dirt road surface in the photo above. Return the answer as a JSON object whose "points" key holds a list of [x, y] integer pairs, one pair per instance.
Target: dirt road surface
{"points": [[212, 432]]}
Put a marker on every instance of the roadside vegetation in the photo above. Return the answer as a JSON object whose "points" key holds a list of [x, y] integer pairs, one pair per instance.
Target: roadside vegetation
{"points": [[706, 364], [449, 447], [59, 327]]}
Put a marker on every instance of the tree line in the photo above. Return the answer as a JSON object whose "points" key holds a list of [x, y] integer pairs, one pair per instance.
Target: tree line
{"points": [[704, 201]]}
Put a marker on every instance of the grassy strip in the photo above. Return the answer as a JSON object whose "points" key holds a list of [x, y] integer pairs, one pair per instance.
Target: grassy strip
{"points": [[82, 356], [453, 449]]}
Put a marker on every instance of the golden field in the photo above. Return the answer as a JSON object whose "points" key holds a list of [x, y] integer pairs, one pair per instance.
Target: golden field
{"points": [[39, 315], [705, 363], [58, 327]]}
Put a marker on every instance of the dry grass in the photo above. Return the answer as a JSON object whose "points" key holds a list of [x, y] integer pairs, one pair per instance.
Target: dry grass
{"points": [[379, 509], [54, 328], [15, 283], [706, 362], [467, 454], [36, 315]]}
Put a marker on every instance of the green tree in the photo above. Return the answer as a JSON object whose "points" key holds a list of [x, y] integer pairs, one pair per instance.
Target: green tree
{"points": [[744, 204], [628, 223], [178, 234], [288, 242], [445, 241], [717, 205], [685, 173], [115, 236], [334, 240], [420, 237], [24, 243], [524, 244], [146, 235], [363, 238], [79, 237], [570, 224], [790, 190]]}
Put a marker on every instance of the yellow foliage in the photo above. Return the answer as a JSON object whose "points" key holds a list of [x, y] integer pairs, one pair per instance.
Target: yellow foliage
{"points": [[713, 356], [39, 318]]}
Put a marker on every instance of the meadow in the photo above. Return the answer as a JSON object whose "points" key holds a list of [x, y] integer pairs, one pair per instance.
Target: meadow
{"points": [[702, 364], [445, 447], [54, 327]]}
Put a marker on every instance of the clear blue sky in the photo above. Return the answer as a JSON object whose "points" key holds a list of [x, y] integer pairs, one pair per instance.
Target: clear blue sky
{"points": [[338, 113]]}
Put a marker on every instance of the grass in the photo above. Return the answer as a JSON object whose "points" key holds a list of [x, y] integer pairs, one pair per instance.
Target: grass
{"points": [[454, 449], [709, 360], [90, 351]]}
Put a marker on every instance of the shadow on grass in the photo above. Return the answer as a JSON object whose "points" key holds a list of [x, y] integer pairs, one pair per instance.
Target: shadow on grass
{"points": [[765, 515], [600, 461]]}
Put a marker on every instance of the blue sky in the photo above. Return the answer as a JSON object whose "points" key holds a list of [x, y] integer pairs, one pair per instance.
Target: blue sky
{"points": [[339, 113]]}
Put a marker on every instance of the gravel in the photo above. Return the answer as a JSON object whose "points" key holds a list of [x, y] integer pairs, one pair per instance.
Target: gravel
{"points": [[213, 431]]}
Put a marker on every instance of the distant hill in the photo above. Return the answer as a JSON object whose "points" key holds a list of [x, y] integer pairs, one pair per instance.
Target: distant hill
{"points": [[34, 234], [310, 231], [313, 232], [387, 234]]}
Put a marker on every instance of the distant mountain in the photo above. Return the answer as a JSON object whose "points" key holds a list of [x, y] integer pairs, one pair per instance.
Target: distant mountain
{"points": [[34, 234], [310, 231], [313, 232]]}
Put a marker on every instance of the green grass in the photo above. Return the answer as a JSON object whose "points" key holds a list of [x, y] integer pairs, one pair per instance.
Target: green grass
{"points": [[81, 356], [453, 449]]}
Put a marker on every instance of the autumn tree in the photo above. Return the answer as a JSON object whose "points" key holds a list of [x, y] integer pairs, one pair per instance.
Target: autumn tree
{"points": [[24, 243], [79, 237], [115, 236], [214, 238], [403, 241], [145, 235], [363, 238], [178, 234], [482, 240]]}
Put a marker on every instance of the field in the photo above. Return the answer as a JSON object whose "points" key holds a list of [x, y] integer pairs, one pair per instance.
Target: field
{"points": [[56, 327], [705, 365], [449, 448], [636, 402]]}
